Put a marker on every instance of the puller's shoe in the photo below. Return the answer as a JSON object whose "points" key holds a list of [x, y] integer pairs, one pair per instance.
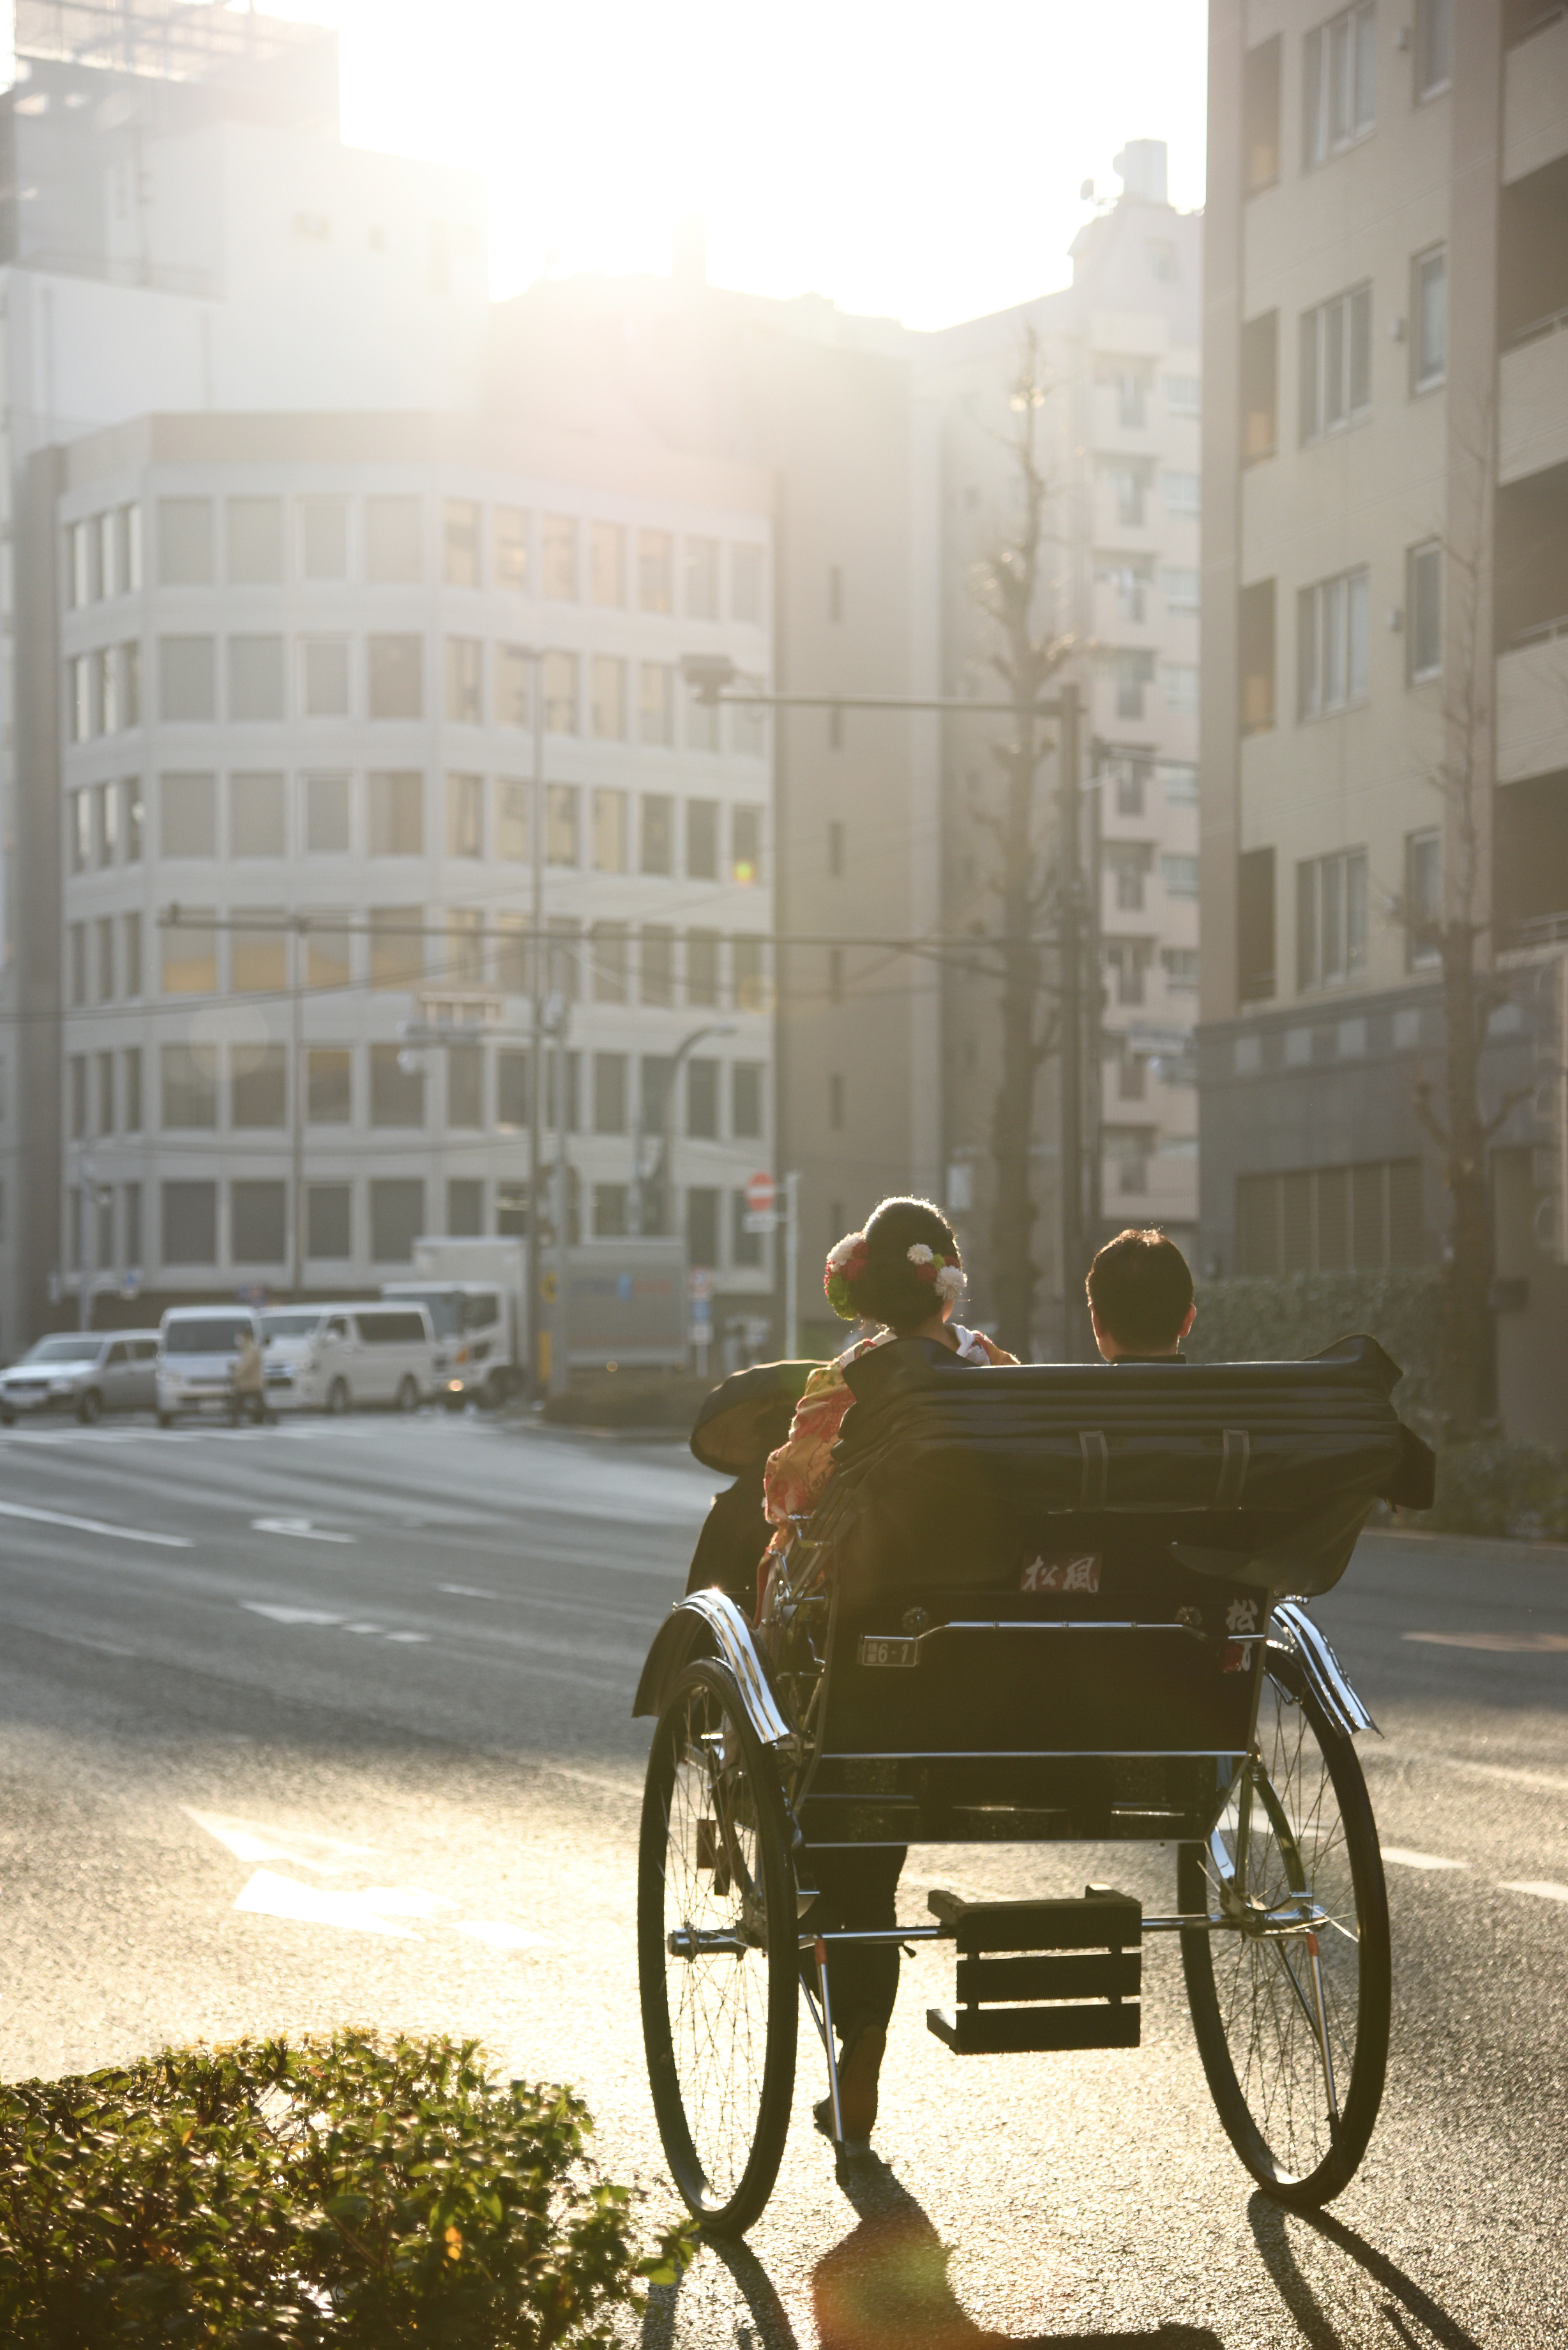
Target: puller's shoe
{"points": [[859, 2068]]}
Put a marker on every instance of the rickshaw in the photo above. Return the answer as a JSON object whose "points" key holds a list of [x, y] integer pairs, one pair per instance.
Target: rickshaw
{"points": [[1040, 1605]]}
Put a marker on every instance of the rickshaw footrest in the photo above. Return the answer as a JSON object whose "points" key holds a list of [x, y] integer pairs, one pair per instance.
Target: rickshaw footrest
{"points": [[995, 2031]]}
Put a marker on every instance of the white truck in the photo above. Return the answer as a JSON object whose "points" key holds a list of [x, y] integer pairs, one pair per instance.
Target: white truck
{"points": [[626, 1303]]}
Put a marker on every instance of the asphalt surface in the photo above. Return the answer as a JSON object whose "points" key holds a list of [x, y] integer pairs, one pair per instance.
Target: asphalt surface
{"points": [[331, 1722]]}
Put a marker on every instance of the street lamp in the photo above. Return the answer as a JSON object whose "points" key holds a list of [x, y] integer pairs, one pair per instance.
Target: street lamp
{"points": [[659, 1183]]}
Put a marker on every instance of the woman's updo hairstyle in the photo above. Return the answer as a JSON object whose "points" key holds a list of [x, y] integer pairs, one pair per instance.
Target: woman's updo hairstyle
{"points": [[899, 1271]]}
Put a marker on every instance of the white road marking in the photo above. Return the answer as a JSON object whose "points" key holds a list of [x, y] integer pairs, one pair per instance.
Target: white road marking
{"points": [[246, 1841], [410, 1637], [1543, 1887], [361, 1627], [94, 1526], [467, 1591], [300, 1528], [499, 1935], [1513, 1644], [1403, 1757], [1403, 1858], [289, 1615], [404, 1901], [271, 1896], [81, 1640]]}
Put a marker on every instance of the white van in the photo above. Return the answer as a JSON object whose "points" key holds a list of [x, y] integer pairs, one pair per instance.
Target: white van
{"points": [[331, 1358], [196, 1350]]}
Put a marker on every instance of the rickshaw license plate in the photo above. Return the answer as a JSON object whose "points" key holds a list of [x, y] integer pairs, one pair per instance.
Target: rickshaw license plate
{"points": [[873, 1651]]}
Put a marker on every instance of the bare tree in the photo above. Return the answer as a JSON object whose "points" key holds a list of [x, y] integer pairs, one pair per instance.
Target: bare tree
{"points": [[1009, 588], [1459, 931]]}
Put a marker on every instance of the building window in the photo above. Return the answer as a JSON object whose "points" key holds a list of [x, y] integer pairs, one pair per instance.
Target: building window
{"points": [[256, 816], [77, 949], [258, 953], [329, 1086], [655, 703], [130, 1089], [609, 698], [609, 960], [1335, 363], [702, 1225], [563, 960], [1178, 875], [329, 952], [1183, 395], [609, 1209], [1178, 686], [1131, 673], [188, 811], [561, 824], [1180, 967], [464, 680], [1331, 919], [1424, 611], [259, 1089], [1128, 960], [255, 678], [1423, 899], [327, 816], [328, 1222], [397, 1095], [396, 676], [1255, 655], [703, 839], [606, 565], [610, 1093], [561, 558], [465, 1085], [746, 846], [461, 543], [702, 966], [1429, 312], [397, 946], [1331, 1219], [397, 1217], [397, 814], [1332, 624], [511, 821], [1127, 481], [254, 534], [1128, 863], [560, 688], [1339, 83], [393, 530], [190, 1213], [78, 1071], [324, 676], [1433, 47], [190, 954], [751, 978], [657, 833], [746, 1246], [514, 955], [133, 810], [746, 584], [655, 571], [512, 1099], [610, 828], [1180, 491], [324, 538], [465, 946], [702, 719], [466, 815], [510, 544], [702, 1100], [79, 830], [190, 1086], [186, 542], [187, 682], [657, 955], [132, 975], [513, 678], [703, 579]]}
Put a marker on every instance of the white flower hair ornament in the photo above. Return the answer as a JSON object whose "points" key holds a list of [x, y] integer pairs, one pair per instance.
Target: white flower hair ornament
{"points": [[944, 1272], [950, 1283]]}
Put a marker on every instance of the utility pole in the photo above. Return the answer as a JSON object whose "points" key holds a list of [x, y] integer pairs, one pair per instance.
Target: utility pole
{"points": [[1070, 930], [536, 1057]]}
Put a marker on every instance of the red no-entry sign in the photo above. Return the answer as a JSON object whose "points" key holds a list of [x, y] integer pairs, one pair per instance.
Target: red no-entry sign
{"points": [[761, 1193]]}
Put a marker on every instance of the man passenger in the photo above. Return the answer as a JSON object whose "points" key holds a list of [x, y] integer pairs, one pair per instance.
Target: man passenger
{"points": [[1140, 1298]]}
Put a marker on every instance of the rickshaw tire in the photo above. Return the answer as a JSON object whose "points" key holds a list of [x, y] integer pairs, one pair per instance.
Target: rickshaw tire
{"points": [[735, 2213]]}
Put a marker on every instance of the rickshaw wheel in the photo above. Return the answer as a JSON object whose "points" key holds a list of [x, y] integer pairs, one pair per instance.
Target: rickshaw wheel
{"points": [[716, 1940], [1311, 1831]]}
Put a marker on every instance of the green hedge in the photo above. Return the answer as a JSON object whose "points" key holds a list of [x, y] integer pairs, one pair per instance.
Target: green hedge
{"points": [[1489, 1487], [354, 2189], [1279, 1320]]}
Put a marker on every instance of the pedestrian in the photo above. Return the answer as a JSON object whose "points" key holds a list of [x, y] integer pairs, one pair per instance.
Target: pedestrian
{"points": [[248, 1392]]}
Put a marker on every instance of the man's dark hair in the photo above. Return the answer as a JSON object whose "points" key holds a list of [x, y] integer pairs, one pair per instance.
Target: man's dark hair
{"points": [[1140, 1290]]}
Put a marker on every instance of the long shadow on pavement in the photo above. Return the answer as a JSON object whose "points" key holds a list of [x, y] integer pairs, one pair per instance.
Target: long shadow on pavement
{"points": [[1267, 2222], [884, 2287]]}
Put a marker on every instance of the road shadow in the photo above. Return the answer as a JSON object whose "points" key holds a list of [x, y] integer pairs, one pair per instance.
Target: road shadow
{"points": [[1269, 2223], [885, 2286]]}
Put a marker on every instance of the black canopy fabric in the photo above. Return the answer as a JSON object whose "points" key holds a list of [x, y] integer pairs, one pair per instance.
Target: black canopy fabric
{"points": [[1263, 1472], [747, 1415]]}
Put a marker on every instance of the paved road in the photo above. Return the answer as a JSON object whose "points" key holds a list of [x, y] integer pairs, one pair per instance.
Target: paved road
{"points": [[331, 1721]]}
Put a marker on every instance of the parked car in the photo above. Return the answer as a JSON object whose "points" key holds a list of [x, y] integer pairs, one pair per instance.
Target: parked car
{"points": [[330, 1358], [196, 1350], [88, 1372]]}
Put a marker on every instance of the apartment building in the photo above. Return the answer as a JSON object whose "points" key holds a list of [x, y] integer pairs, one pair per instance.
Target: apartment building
{"points": [[821, 403], [1118, 360], [1385, 584], [295, 681], [181, 232]]}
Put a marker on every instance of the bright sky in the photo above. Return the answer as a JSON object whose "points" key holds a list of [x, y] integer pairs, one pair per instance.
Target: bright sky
{"points": [[904, 158]]}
